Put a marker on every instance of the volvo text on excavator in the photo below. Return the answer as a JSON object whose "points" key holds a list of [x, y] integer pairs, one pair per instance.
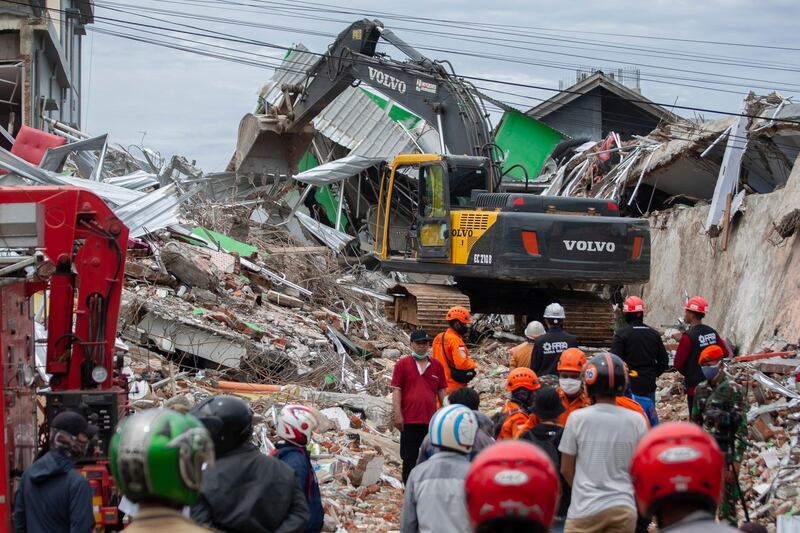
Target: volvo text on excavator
{"points": [[507, 252]]}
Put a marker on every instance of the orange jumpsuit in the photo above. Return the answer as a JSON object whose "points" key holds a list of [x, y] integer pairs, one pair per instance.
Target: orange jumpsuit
{"points": [[579, 402], [515, 420], [453, 352]]}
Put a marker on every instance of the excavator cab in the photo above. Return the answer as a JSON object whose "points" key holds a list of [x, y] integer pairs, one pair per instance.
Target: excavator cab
{"points": [[419, 194]]}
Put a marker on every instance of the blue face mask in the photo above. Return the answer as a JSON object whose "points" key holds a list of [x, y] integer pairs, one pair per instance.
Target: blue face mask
{"points": [[710, 372], [419, 356]]}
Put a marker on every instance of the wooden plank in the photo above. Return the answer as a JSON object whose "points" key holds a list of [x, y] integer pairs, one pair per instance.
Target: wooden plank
{"points": [[298, 250]]}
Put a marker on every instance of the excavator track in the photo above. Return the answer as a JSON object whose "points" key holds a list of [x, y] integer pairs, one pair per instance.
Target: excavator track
{"points": [[424, 306], [589, 317]]}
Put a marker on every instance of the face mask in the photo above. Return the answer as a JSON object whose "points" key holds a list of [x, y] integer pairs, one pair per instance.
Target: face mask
{"points": [[419, 356], [570, 386], [710, 372]]}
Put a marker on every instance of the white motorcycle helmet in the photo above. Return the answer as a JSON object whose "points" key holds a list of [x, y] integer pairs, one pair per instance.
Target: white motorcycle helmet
{"points": [[296, 423], [453, 427]]}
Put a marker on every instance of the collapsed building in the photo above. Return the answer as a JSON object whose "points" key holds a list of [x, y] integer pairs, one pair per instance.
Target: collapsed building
{"points": [[258, 285]]}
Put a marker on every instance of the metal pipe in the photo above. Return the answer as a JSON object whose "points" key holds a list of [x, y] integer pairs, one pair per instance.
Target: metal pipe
{"points": [[341, 204], [441, 133], [17, 266], [358, 195], [59, 125], [296, 207], [97, 175]]}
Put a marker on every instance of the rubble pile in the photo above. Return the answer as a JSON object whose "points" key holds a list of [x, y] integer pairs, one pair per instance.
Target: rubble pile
{"points": [[683, 162]]}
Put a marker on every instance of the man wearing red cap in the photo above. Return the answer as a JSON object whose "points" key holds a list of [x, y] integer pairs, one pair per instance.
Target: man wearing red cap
{"points": [[719, 407], [696, 339]]}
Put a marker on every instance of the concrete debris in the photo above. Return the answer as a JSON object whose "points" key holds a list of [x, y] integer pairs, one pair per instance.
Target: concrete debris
{"points": [[687, 162]]}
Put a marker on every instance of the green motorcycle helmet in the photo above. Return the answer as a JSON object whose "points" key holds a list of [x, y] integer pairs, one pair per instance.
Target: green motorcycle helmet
{"points": [[157, 455]]}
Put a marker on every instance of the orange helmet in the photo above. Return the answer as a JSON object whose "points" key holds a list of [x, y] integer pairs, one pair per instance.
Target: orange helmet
{"points": [[522, 378], [633, 304], [571, 360], [697, 304], [459, 313], [710, 354]]}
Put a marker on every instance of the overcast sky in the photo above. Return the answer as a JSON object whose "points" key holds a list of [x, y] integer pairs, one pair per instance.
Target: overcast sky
{"points": [[183, 103]]}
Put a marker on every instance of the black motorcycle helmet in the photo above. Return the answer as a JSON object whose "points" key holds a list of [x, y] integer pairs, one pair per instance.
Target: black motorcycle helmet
{"points": [[605, 375], [228, 419]]}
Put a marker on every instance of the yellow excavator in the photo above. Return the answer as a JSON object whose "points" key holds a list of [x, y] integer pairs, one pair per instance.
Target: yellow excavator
{"points": [[507, 252]]}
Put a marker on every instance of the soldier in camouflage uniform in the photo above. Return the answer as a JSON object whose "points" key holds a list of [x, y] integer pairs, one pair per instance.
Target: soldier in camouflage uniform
{"points": [[719, 407]]}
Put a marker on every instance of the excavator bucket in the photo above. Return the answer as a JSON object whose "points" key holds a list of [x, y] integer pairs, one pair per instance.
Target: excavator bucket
{"points": [[264, 148]]}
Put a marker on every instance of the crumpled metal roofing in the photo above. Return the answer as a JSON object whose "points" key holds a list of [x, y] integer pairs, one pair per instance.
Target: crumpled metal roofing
{"points": [[337, 170], [140, 212], [334, 239], [352, 120]]}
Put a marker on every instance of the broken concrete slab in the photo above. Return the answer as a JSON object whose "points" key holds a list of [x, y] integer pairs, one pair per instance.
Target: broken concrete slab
{"points": [[191, 265]]}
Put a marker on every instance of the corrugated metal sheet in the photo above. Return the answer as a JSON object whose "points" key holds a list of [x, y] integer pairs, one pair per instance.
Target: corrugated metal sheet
{"points": [[338, 170], [352, 120]]}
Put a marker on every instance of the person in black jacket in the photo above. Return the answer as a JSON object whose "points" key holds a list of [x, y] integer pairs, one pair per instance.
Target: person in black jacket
{"points": [[296, 423], [641, 348], [548, 347], [53, 497], [547, 436], [245, 491]]}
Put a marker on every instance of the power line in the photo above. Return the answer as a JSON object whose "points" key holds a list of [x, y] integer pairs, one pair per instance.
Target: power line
{"points": [[462, 22], [284, 67], [476, 78]]}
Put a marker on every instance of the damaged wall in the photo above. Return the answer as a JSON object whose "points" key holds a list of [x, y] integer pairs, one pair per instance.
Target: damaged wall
{"points": [[753, 287]]}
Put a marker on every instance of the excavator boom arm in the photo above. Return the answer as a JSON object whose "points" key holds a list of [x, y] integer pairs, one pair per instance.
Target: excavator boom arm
{"points": [[419, 84]]}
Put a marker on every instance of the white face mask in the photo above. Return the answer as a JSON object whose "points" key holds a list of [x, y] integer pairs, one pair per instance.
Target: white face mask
{"points": [[570, 386]]}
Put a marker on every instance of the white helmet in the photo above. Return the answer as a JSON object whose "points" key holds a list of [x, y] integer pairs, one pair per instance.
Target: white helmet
{"points": [[554, 311], [534, 329], [296, 423], [453, 427]]}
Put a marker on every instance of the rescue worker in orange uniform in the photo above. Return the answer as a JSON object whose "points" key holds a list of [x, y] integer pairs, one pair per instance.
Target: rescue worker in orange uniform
{"points": [[522, 383], [570, 389], [449, 349], [573, 393]]}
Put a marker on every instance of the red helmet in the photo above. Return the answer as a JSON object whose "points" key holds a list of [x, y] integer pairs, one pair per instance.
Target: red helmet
{"points": [[633, 304], [458, 313], [512, 479], [697, 304], [677, 461]]}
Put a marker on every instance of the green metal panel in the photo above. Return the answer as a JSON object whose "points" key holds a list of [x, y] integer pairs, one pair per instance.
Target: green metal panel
{"points": [[226, 243], [396, 113], [308, 161], [525, 141]]}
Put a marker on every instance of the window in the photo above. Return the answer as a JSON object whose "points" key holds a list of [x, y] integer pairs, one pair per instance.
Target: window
{"points": [[432, 188]]}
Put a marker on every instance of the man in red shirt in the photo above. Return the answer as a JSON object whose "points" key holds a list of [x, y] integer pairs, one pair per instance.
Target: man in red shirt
{"points": [[418, 386]]}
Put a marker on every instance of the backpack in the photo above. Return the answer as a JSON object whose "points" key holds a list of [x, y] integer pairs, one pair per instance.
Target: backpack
{"points": [[458, 375], [548, 444]]}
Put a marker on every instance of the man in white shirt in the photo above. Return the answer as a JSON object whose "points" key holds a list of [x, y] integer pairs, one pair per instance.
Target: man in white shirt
{"points": [[596, 451]]}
